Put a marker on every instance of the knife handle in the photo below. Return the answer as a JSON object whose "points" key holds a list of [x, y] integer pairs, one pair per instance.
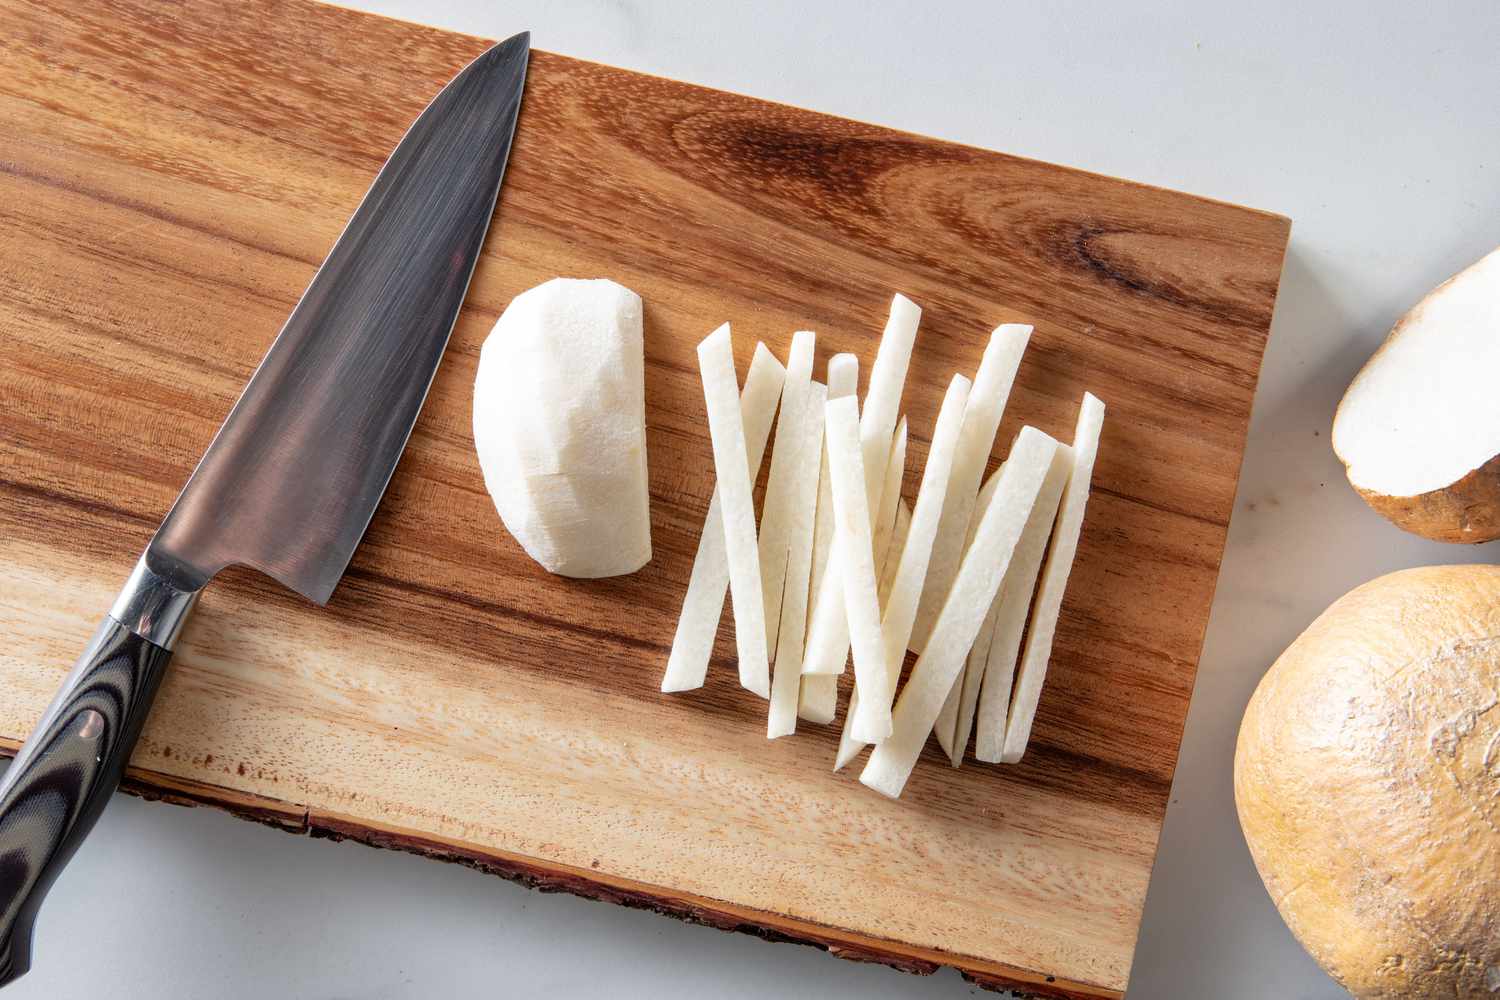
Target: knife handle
{"points": [[66, 771]]}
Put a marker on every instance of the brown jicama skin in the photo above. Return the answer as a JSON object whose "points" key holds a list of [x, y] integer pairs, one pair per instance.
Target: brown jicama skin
{"points": [[1367, 778], [1466, 511]]}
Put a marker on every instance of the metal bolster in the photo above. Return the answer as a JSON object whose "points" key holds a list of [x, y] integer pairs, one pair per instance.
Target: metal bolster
{"points": [[152, 606]]}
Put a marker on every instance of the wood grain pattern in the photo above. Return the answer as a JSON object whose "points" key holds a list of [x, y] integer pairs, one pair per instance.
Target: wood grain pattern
{"points": [[170, 179]]}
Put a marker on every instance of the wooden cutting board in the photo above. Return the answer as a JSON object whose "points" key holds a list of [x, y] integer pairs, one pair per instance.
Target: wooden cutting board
{"points": [[170, 177]]}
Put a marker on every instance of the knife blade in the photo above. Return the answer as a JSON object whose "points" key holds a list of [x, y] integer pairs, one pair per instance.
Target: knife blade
{"points": [[291, 480]]}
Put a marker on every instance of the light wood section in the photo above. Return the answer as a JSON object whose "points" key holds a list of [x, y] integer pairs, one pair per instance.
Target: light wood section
{"points": [[169, 181]]}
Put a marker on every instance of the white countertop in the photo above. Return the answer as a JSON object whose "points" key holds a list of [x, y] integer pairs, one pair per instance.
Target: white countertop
{"points": [[1374, 126]]}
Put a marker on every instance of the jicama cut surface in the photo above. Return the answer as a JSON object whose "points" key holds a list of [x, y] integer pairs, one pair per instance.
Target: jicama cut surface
{"points": [[828, 637], [786, 678], [992, 385], [731, 463], [988, 683], [1032, 672], [702, 607], [854, 538], [963, 613], [900, 605], [774, 538], [820, 692]]}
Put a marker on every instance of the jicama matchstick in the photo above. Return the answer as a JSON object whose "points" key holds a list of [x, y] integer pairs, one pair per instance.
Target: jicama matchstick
{"points": [[996, 671], [899, 531], [820, 692], [786, 678], [731, 463], [911, 565], [853, 538], [968, 602], [992, 385], [1060, 552], [687, 665], [828, 636], [890, 495], [947, 720], [786, 470], [974, 666]]}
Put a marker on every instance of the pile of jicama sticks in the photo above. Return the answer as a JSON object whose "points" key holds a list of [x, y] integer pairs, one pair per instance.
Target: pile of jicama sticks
{"points": [[840, 563]]}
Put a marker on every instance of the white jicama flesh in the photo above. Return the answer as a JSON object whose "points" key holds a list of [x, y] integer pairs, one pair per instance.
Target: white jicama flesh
{"points": [[1418, 430], [731, 463], [963, 613], [946, 726], [890, 495], [992, 385], [687, 664], [849, 747], [899, 531], [828, 637], [853, 538], [786, 679], [1060, 552], [900, 603], [975, 665], [997, 670], [560, 427], [781, 485], [820, 692]]}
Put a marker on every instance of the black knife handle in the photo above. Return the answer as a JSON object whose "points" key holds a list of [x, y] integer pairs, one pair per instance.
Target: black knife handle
{"points": [[65, 773]]}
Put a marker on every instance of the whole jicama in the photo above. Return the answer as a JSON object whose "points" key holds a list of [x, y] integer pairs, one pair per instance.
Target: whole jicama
{"points": [[1367, 778]]}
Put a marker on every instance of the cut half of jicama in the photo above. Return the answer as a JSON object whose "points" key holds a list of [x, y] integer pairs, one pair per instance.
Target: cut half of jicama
{"points": [[854, 539], [781, 485], [786, 680], [726, 430], [820, 692], [963, 613], [992, 385], [997, 671], [702, 607], [905, 588], [1060, 552]]}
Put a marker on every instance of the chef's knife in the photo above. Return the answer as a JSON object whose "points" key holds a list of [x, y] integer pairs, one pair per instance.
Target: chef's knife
{"points": [[295, 473]]}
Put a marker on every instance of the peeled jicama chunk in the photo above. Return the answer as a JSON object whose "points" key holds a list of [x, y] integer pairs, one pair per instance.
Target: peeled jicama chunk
{"points": [[820, 692], [687, 665], [963, 613], [1060, 552], [1419, 428], [560, 426], [726, 431], [992, 385]]}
